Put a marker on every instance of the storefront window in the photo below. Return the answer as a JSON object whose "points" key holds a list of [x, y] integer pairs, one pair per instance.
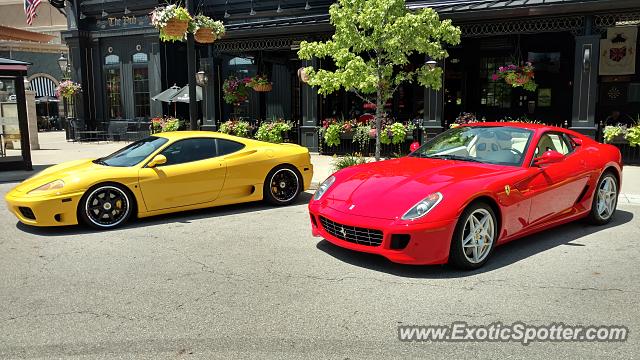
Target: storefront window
{"points": [[10, 146], [114, 103], [494, 93], [141, 85]]}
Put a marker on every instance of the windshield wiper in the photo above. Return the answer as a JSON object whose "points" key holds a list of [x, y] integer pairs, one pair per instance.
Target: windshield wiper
{"points": [[452, 157], [99, 161]]}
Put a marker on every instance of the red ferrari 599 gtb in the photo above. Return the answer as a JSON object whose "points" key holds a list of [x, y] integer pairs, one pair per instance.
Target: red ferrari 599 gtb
{"points": [[467, 190]]}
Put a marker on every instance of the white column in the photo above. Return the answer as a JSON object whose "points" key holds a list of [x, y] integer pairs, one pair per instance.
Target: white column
{"points": [[32, 117]]}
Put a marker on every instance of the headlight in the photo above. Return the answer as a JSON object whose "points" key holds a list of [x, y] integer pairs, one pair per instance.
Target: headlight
{"points": [[54, 185], [423, 207], [324, 187]]}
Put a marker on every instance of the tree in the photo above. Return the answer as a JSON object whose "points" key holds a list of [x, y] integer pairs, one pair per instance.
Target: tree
{"points": [[371, 46]]}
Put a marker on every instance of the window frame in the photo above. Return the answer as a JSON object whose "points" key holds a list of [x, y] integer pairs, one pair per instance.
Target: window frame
{"points": [[161, 151], [231, 141], [563, 136]]}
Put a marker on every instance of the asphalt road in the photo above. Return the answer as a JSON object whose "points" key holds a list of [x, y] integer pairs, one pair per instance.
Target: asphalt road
{"points": [[249, 281]]}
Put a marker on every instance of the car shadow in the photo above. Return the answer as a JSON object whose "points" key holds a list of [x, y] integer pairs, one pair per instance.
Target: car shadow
{"points": [[504, 255], [183, 217]]}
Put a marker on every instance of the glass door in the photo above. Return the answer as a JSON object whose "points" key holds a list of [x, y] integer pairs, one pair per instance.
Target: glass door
{"points": [[10, 135]]}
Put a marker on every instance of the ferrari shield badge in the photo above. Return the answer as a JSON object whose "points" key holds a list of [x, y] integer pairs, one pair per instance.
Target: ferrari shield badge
{"points": [[507, 189]]}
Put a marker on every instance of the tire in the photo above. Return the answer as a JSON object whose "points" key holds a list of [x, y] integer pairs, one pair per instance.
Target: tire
{"points": [[98, 212], [282, 185], [605, 199], [470, 252]]}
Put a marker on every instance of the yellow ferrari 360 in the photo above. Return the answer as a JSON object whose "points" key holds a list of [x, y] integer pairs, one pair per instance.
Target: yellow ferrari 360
{"points": [[164, 173]]}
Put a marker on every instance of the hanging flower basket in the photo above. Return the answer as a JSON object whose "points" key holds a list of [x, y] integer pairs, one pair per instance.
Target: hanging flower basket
{"points": [[517, 76], [206, 30], [204, 36], [172, 21], [263, 87], [260, 83], [68, 89], [234, 90]]}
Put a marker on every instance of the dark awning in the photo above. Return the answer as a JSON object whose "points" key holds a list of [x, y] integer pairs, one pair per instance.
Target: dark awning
{"points": [[13, 65]]}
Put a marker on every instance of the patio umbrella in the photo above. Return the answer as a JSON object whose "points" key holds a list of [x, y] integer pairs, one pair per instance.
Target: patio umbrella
{"points": [[47, 100], [183, 95], [166, 96]]}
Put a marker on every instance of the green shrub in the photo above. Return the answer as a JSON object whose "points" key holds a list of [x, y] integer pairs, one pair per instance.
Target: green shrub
{"points": [[348, 160]]}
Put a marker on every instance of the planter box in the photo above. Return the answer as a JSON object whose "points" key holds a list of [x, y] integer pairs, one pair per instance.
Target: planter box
{"points": [[347, 146]]}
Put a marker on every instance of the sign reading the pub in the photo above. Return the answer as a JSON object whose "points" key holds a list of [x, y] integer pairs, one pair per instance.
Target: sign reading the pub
{"points": [[123, 22]]}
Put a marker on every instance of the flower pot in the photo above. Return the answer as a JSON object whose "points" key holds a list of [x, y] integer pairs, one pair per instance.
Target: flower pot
{"points": [[619, 139], [176, 27], [262, 87], [205, 36]]}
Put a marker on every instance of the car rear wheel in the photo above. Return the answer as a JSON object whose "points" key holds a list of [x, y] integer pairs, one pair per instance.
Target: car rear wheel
{"points": [[105, 206], [605, 200], [474, 237], [282, 186]]}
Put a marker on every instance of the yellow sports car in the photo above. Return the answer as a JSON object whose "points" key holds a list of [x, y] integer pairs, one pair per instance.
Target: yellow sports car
{"points": [[163, 173]]}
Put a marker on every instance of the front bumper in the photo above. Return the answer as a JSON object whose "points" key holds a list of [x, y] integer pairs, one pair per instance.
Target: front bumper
{"points": [[44, 210], [429, 243]]}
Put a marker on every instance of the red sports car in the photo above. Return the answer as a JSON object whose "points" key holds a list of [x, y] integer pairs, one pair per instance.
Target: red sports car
{"points": [[467, 190]]}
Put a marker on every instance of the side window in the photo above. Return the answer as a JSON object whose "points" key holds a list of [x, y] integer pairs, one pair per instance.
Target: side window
{"points": [[227, 147], [553, 141], [189, 150]]}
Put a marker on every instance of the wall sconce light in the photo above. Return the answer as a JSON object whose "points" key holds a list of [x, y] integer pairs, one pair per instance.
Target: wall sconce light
{"points": [[431, 64], [201, 78], [586, 58], [226, 10], [302, 75], [307, 7]]}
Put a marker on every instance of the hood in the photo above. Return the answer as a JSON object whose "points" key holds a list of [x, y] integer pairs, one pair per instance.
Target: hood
{"points": [[68, 171], [399, 184]]}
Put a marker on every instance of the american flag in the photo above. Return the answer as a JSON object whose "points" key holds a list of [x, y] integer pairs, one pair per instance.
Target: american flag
{"points": [[30, 7]]}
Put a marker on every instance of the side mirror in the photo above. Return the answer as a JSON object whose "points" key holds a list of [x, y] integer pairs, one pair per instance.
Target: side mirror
{"points": [[157, 160], [576, 141], [549, 157]]}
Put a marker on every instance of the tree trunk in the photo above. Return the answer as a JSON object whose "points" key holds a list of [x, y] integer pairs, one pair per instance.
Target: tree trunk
{"points": [[379, 110]]}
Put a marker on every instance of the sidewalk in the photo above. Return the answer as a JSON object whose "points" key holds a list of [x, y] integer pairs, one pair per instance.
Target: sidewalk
{"points": [[55, 149]]}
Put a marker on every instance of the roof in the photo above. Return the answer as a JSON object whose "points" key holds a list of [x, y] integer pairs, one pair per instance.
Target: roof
{"points": [[10, 33], [13, 65], [458, 10]]}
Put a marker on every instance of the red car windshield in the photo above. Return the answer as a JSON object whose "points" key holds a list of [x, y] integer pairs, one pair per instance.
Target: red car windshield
{"points": [[503, 145]]}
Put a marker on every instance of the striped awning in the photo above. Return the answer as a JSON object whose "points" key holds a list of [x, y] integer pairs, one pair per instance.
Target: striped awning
{"points": [[43, 86]]}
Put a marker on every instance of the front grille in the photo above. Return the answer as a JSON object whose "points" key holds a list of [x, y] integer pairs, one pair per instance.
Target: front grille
{"points": [[357, 235], [27, 213]]}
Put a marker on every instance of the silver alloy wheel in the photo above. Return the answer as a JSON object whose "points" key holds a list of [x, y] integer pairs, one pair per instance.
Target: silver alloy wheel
{"points": [[284, 185], [607, 198], [477, 236], [107, 206]]}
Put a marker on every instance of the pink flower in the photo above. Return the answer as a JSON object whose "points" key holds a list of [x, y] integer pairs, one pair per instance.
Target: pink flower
{"points": [[495, 77]]}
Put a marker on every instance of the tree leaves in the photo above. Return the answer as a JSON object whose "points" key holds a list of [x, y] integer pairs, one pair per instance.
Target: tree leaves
{"points": [[373, 43]]}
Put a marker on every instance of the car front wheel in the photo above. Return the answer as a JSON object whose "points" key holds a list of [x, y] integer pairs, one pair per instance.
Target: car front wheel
{"points": [[474, 237], [105, 207]]}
